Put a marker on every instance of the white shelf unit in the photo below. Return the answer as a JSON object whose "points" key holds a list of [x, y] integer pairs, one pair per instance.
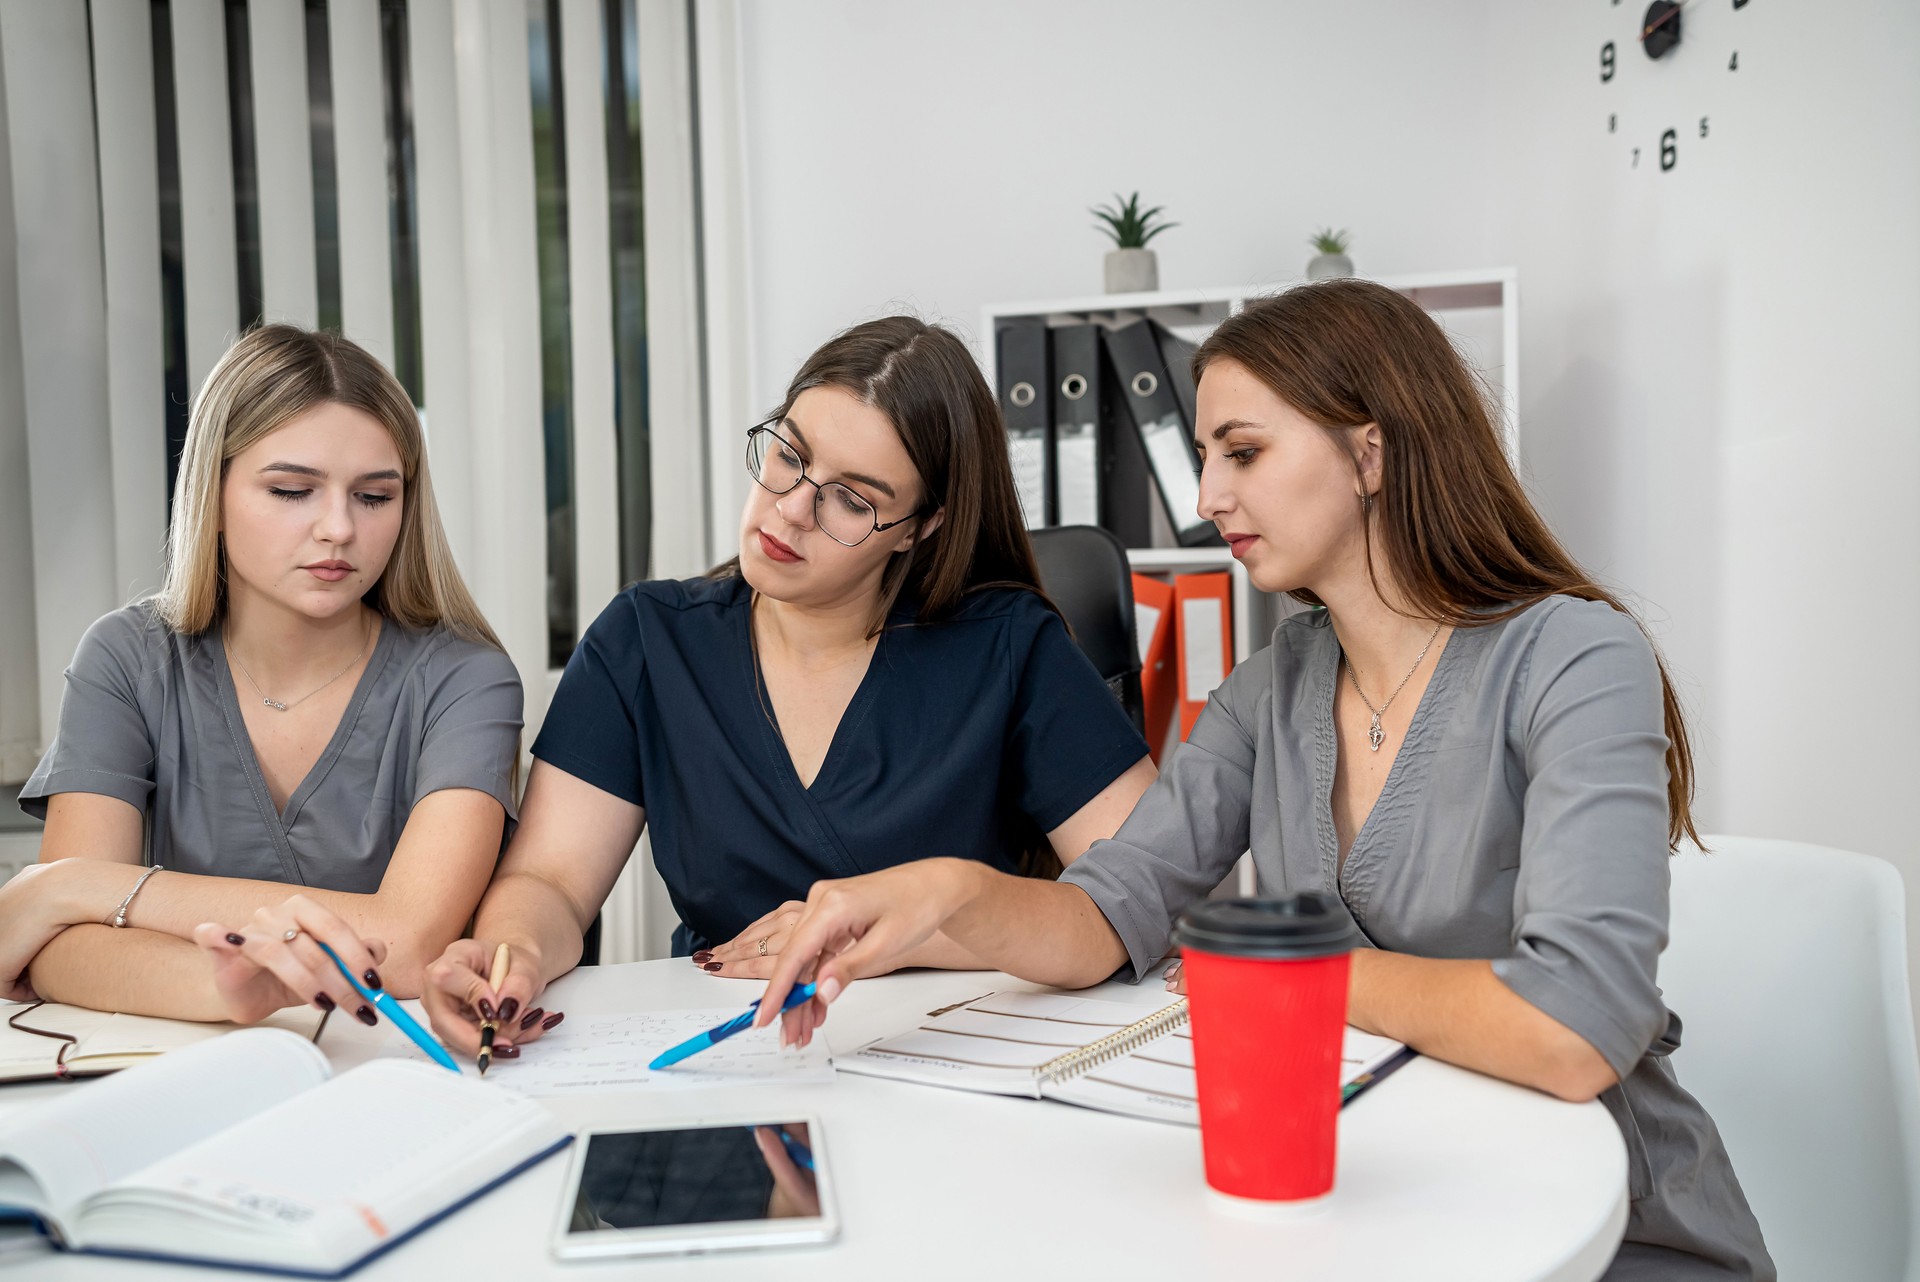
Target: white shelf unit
{"points": [[1479, 310]]}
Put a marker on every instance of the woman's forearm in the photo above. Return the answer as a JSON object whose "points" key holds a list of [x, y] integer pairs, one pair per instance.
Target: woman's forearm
{"points": [[531, 914], [1459, 1011], [138, 972], [1046, 931]]}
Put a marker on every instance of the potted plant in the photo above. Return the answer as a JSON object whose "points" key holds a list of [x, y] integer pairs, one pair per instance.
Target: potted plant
{"points": [[1332, 258], [1131, 266]]}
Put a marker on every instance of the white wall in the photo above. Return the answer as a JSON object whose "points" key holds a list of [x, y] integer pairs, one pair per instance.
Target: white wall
{"points": [[1720, 388], [1721, 392], [940, 156]]}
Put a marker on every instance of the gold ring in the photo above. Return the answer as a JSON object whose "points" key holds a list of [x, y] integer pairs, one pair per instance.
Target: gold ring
{"points": [[763, 944]]}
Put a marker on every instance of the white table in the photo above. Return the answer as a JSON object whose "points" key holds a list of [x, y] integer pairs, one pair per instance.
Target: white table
{"points": [[1443, 1173]]}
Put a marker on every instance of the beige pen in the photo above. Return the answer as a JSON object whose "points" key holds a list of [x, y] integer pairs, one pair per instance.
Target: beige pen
{"points": [[494, 981]]}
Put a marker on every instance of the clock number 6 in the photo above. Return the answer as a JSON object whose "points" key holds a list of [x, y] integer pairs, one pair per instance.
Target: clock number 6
{"points": [[1668, 153], [1606, 62]]}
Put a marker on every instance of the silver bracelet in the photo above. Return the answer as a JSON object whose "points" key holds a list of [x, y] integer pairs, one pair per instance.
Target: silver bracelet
{"points": [[119, 918]]}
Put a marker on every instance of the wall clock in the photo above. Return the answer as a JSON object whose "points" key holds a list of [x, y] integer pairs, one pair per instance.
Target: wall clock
{"points": [[1656, 65]]}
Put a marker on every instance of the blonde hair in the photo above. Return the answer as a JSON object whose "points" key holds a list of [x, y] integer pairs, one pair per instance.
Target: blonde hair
{"points": [[272, 376]]}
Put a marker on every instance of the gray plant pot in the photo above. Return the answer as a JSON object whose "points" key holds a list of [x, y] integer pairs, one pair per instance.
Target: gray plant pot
{"points": [[1328, 266], [1132, 271]]}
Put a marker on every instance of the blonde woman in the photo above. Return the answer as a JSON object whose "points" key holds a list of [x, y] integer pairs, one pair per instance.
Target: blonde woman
{"points": [[312, 699]]}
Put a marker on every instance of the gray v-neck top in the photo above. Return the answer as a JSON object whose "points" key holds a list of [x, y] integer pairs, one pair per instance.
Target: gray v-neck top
{"points": [[1524, 820], [151, 717]]}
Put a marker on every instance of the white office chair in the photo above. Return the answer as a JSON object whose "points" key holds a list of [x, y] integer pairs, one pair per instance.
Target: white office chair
{"points": [[1788, 965]]}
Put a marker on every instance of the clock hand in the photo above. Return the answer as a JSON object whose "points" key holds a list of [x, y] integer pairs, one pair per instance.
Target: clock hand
{"points": [[1665, 18]]}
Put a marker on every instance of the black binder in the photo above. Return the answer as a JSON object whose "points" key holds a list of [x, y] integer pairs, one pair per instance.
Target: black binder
{"points": [[1027, 408], [1162, 433], [1177, 352], [1080, 405]]}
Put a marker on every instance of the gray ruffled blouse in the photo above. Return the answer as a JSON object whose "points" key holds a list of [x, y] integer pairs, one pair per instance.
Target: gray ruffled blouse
{"points": [[1524, 820]]}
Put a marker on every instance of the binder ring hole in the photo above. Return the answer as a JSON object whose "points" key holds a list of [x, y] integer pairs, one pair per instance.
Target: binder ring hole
{"points": [[1145, 383], [1021, 395], [1073, 386]]}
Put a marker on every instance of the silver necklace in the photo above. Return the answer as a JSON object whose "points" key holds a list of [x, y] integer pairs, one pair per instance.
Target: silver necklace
{"points": [[274, 703], [1375, 735]]}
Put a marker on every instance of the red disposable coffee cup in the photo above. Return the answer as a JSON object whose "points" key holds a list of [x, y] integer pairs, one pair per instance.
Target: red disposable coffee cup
{"points": [[1267, 998]]}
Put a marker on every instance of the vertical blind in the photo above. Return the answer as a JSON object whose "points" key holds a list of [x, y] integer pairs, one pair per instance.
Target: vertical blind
{"points": [[498, 199]]}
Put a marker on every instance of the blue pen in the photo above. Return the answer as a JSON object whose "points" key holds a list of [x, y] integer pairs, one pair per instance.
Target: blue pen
{"points": [[382, 1001], [799, 1154], [738, 1024]]}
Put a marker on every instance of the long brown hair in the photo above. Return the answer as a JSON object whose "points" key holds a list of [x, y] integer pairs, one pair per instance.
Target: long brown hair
{"points": [[925, 381], [1464, 542], [273, 375]]}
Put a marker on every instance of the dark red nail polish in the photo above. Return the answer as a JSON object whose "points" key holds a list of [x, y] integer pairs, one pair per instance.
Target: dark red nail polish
{"points": [[366, 1016], [508, 1009], [372, 977], [552, 1021], [704, 956], [323, 1001], [507, 1052], [234, 939], [486, 1009], [711, 966], [532, 1017]]}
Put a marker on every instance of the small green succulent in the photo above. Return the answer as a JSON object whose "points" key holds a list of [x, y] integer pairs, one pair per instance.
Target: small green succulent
{"points": [[1128, 224], [1329, 241]]}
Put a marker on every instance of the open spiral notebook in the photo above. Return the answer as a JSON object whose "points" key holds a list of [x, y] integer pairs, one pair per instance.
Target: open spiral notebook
{"points": [[1079, 1050]]}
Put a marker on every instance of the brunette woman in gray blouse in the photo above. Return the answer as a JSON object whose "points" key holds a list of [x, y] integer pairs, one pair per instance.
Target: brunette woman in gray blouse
{"points": [[1470, 742], [312, 703]]}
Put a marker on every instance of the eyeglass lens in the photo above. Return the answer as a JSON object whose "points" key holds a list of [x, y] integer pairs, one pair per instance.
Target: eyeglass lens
{"points": [[841, 514]]}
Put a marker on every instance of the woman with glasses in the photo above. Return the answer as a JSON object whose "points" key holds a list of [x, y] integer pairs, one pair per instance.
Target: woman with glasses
{"points": [[1471, 744], [876, 678]]}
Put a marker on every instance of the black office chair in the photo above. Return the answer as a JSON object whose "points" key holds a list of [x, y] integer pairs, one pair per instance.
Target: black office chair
{"points": [[1084, 569]]}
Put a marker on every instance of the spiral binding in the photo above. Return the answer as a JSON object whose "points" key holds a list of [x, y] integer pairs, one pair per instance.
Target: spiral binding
{"points": [[1113, 1045]]}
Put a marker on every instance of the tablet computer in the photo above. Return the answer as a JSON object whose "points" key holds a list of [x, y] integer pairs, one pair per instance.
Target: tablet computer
{"points": [[710, 1184]]}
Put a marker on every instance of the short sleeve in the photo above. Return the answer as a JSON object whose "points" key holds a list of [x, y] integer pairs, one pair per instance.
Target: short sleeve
{"points": [[473, 720], [592, 727], [1068, 737], [102, 744], [1590, 900], [1187, 831]]}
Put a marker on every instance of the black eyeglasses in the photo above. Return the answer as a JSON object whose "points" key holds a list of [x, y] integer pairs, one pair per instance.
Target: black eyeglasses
{"points": [[841, 514]]}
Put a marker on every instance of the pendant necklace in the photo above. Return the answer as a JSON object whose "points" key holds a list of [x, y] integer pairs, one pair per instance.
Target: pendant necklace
{"points": [[276, 704], [1375, 735]]}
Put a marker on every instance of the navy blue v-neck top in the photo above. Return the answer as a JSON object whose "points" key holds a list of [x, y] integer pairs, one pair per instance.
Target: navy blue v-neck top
{"points": [[964, 737]]}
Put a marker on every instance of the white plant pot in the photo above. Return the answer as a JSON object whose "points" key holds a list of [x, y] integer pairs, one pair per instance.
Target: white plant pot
{"points": [[1328, 266], [1132, 271]]}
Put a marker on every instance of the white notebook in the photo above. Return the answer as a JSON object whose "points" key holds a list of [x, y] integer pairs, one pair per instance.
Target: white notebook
{"points": [[1078, 1050], [246, 1151], [44, 1041]]}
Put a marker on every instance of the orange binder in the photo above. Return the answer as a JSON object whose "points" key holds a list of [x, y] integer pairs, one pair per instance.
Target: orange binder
{"points": [[1203, 646], [1153, 618]]}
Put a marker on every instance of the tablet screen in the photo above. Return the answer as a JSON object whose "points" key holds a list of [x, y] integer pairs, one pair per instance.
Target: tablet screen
{"points": [[700, 1175]]}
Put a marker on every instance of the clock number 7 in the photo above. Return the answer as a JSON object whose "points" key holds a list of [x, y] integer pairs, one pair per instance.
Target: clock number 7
{"points": [[1606, 62]]}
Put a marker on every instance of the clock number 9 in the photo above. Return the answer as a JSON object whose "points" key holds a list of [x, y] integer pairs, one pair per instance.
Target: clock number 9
{"points": [[1606, 62], [1668, 153]]}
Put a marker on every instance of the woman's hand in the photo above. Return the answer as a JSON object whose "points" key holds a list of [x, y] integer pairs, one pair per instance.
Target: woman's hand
{"points": [[1176, 976], [861, 926], [755, 951], [458, 998], [40, 901], [275, 961]]}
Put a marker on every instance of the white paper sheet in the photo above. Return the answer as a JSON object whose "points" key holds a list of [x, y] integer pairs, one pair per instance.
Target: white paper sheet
{"points": [[594, 1053]]}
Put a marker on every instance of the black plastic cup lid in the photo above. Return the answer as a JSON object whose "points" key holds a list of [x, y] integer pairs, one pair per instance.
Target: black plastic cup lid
{"points": [[1305, 925]]}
